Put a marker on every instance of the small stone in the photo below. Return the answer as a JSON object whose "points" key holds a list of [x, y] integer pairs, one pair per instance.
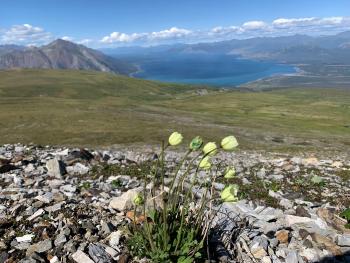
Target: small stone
{"points": [[107, 227], [282, 236], [39, 247], [78, 168], [68, 188], [303, 233], [258, 247], [302, 212], [124, 202], [310, 254], [36, 214], [81, 257], [312, 161], [111, 251], [337, 164], [286, 203], [98, 254], [266, 259], [54, 260], [46, 198], [245, 181], [292, 257], [114, 239], [326, 242], [60, 239], [55, 168], [344, 240], [54, 207], [25, 238]]}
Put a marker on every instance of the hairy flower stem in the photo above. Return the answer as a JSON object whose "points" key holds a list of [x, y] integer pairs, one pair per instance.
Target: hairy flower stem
{"points": [[176, 193], [185, 206], [165, 212], [178, 169]]}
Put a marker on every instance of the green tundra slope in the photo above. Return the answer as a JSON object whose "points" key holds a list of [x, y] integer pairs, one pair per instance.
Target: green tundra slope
{"points": [[97, 109]]}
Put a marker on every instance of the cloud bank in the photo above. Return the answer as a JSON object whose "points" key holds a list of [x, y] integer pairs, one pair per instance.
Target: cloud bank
{"points": [[280, 26], [32, 35]]}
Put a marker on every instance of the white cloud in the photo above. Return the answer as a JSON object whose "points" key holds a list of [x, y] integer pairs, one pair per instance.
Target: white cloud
{"points": [[280, 26], [121, 37], [85, 41], [254, 25], [293, 22], [67, 38], [25, 34], [172, 33]]}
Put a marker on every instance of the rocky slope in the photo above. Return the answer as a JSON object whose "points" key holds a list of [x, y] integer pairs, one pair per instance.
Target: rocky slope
{"points": [[61, 54], [70, 205]]}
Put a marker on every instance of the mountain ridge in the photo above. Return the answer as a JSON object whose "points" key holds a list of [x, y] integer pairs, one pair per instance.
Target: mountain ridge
{"points": [[61, 54]]}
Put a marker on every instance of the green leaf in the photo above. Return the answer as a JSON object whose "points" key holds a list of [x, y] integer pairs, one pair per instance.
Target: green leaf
{"points": [[317, 180], [346, 214]]}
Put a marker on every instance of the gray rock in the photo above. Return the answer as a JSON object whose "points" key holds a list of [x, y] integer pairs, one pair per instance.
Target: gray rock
{"points": [[258, 247], [55, 168], [78, 168], [60, 239], [81, 257], [344, 240], [68, 188], [98, 254], [292, 257], [45, 198], [124, 202], [36, 214], [286, 203], [114, 239], [39, 247], [261, 174]]}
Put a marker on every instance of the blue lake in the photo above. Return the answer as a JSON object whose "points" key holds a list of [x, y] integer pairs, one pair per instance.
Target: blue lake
{"points": [[217, 70]]}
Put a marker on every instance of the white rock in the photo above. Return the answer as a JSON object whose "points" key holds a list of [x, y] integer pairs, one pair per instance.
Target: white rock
{"points": [[266, 259], [68, 188], [29, 168], [45, 198], [81, 257], [292, 257], [124, 202], [111, 251], [292, 220], [337, 164], [114, 239], [286, 203], [36, 214], [54, 260], [310, 254], [344, 240], [25, 238], [55, 168], [62, 153], [78, 168]]}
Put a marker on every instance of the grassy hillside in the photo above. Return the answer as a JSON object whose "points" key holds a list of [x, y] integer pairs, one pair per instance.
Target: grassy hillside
{"points": [[97, 109]]}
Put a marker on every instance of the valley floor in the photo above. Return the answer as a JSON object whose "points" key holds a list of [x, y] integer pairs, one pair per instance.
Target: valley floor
{"points": [[81, 108]]}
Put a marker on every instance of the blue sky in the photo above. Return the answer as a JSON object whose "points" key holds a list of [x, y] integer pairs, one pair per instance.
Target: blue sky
{"points": [[148, 22]]}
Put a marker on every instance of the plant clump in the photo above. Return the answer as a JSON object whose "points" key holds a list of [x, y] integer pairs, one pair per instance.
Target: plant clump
{"points": [[176, 225]]}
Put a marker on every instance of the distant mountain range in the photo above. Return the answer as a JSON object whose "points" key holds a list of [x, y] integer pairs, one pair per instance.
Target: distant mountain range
{"points": [[61, 54], [297, 49]]}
